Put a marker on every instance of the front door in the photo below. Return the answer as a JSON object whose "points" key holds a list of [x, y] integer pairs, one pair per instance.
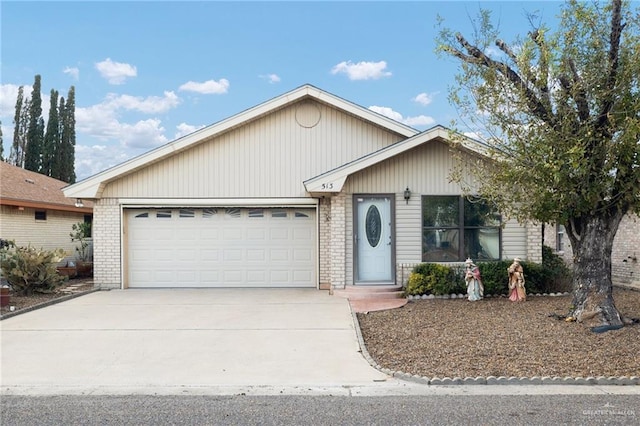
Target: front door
{"points": [[373, 240]]}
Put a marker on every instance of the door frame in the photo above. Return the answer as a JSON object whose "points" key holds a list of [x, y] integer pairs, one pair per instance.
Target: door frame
{"points": [[354, 225]]}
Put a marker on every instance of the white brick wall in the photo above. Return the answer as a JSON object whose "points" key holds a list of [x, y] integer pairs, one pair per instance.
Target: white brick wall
{"points": [[625, 257], [106, 237], [338, 241], [324, 237], [534, 243]]}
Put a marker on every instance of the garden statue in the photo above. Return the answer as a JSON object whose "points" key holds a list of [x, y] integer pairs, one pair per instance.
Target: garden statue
{"points": [[517, 292], [475, 289]]}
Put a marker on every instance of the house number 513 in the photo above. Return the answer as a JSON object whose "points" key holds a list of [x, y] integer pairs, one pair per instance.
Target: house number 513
{"points": [[327, 185]]}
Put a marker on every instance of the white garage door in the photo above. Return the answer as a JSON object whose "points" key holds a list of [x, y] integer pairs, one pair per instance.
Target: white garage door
{"points": [[221, 247]]}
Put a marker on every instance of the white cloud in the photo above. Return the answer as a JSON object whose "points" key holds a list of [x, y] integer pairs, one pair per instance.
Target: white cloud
{"points": [[148, 105], [73, 72], [185, 129], [116, 72], [96, 158], [423, 99], [271, 78], [417, 121], [8, 96], [362, 70], [144, 134], [209, 87], [102, 120]]}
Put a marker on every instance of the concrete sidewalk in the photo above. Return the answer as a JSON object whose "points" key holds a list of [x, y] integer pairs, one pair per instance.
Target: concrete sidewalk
{"points": [[154, 339]]}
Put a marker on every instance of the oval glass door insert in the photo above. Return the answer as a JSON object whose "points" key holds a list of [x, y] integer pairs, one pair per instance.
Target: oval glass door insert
{"points": [[373, 226]]}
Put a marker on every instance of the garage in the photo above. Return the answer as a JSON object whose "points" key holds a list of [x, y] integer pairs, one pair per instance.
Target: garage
{"points": [[220, 247]]}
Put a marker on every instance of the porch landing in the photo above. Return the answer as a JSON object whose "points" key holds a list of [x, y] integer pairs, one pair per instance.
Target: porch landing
{"points": [[373, 298]]}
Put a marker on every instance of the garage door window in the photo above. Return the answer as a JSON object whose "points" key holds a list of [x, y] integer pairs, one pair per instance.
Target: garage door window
{"points": [[209, 213], [253, 213], [233, 213], [187, 213], [279, 214], [142, 215], [302, 215], [163, 214]]}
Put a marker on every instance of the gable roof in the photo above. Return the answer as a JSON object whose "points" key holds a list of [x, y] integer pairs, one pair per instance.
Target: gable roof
{"points": [[333, 180], [92, 187], [23, 188]]}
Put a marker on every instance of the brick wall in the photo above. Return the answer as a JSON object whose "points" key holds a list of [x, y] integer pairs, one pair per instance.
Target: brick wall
{"points": [[324, 236], [625, 262], [338, 242], [106, 239], [534, 243]]}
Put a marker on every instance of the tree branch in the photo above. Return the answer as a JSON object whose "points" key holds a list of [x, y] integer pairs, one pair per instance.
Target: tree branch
{"points": [[476, 56], [614, 50]]}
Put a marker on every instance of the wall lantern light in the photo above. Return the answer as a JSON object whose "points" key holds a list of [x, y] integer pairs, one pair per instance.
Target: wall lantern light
{"points": [[407, 195], [79, 203]]}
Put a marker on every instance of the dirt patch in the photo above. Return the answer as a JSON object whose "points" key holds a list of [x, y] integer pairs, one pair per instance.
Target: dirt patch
{"points": [[496, 337], [69, 287]]}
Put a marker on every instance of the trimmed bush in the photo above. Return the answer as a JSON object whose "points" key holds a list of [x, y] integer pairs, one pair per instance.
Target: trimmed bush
{"points": [[433, 278], [30, 270], [549, 277]]}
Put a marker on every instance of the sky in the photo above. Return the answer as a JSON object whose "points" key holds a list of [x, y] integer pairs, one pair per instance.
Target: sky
{"points": [[148, 72]]}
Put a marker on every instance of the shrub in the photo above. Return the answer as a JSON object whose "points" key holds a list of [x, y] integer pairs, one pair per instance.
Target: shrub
{"points": [[559, 275], [30, 270], [432, 278], [495, 277]]}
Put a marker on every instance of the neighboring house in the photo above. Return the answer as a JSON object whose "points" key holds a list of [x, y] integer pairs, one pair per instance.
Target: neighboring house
{"points": [[34, 211], [304, 190], [625, 256]]}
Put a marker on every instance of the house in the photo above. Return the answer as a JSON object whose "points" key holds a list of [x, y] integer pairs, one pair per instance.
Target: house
{"points": [[304, 190], [34, 210], [625, 256]]}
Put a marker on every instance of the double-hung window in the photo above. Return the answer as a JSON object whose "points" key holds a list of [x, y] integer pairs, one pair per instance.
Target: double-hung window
{"points": [[455, 228]]}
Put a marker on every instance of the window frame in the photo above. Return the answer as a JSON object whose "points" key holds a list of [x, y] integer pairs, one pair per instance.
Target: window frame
{"points": [[460, 227]]}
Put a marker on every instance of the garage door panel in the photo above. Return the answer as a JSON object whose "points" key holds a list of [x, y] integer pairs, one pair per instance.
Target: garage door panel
{"points": [[221, 247]]}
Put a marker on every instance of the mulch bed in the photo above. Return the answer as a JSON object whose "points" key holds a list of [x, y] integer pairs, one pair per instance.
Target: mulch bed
{"points": [[495, 337], [23, 302]]}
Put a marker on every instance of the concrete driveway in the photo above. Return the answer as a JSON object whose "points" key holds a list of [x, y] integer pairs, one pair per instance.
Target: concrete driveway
{"points": [[149, 340]]}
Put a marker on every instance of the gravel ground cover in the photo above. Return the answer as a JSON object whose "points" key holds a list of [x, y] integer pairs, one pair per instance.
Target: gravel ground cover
{"points": [[23, 302], [496, 337]]}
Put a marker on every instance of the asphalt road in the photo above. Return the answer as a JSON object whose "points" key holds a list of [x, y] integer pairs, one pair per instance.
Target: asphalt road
{"points": [[321, 410]]}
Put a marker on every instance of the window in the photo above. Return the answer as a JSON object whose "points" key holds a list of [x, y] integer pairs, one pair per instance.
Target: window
{"points": [[187, 213], [256, 213], [279, 213], [163, 214], [455, 228], [560, 231], [41, 215]]}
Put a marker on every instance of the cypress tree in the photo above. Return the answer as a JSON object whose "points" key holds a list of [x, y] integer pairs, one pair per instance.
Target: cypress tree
{"points": [[35, 130], [16, 155], [68, 138], [51, 137]]}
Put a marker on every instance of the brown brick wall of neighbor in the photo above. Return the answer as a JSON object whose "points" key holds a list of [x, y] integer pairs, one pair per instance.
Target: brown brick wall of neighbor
{"points": [[625, 258]]}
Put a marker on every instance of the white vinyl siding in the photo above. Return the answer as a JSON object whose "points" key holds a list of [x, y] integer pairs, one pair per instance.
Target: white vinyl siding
{"points": [[269, 157]]}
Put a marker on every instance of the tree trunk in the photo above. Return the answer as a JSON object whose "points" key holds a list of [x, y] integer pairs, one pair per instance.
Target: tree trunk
{"points": [[592, 242]]}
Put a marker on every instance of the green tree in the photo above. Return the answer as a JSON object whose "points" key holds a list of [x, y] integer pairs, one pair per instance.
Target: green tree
{"points": [[16, 155], [68, 138], [562, 109], [1, 144], [35, 130], [51, 137]]}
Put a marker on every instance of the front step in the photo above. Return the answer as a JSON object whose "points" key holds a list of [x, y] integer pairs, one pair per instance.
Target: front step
{"points": [[372, 298]]}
